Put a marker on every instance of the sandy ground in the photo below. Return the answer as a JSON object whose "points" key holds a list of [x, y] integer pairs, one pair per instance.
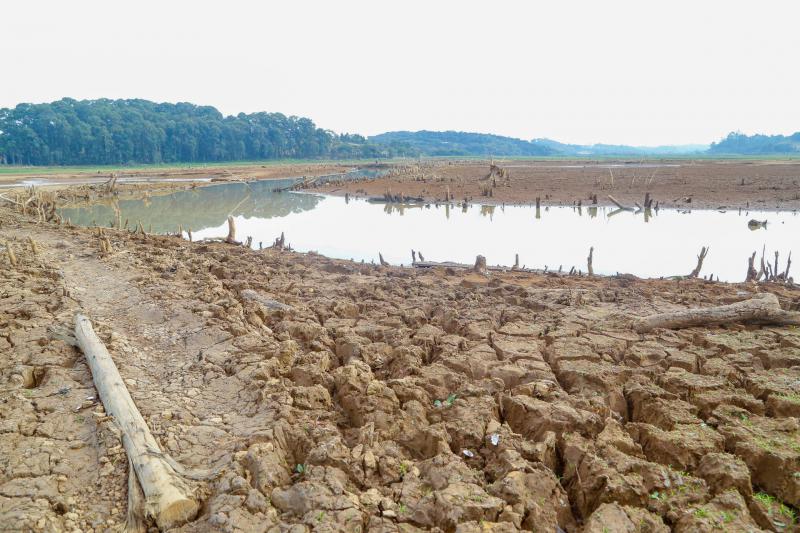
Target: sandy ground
{"points": [[388, 399], [221, 173], [701, 184]]}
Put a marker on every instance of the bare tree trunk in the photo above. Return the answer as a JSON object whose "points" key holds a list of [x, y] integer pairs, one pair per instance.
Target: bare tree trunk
{"points": [[699, 267], [168, 499], [752, 275], [590, 270], [480, 265], [231, 238], [788, 264], [760, 309]]}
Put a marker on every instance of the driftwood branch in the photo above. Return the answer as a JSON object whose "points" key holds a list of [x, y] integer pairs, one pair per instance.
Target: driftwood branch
{"points": [[168, 499], [700, 258], [760, 309]]}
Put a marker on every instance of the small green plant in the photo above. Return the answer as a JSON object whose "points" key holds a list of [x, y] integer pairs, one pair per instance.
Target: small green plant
{"points": [[403, 469], [763, 497], [321, 516], [300, 468], [80, 419], [727, 517], [788, 512], [655, 495], [701, 513], [402, 508], [450, 400]]}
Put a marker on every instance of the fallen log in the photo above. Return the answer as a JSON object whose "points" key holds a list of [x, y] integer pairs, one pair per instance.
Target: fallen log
{"points": [[168, 498], [760, 309]]}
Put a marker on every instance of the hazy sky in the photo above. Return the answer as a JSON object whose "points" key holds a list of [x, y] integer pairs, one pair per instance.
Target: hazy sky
{"points": [[636, 72]]}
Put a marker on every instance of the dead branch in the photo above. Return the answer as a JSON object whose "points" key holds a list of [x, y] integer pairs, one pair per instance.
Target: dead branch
{"points": [[752, 274], [700, 258], [760, 309]]}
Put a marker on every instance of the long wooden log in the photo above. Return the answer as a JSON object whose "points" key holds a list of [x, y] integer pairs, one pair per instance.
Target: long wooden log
{"points": [[760, 309], [168, 499]]}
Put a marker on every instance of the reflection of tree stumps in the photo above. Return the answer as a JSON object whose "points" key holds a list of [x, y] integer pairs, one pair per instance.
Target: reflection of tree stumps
{"points": [[516, 262], [590, 270], [189, 233], [382, 261], [421, 258], [413, 256]]}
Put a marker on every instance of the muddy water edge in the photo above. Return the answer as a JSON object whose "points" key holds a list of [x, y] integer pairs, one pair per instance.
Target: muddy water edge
{"points": [[387, 399]]}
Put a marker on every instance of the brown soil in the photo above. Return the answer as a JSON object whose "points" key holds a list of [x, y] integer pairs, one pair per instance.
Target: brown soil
{"points": [[708, 184], [386, 399], [222, 173]]}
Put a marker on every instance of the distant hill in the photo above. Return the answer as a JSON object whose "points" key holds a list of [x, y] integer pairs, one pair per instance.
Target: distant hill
{"points": [[738, 143], [619, 149], [455, 143]]}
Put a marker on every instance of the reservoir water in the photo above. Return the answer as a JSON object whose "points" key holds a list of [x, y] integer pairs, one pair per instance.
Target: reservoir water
{"points": [[655, 244]]}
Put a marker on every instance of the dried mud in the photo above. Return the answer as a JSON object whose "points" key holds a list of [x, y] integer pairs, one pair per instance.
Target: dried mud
{"points": [[338, 396], [726, 184]]}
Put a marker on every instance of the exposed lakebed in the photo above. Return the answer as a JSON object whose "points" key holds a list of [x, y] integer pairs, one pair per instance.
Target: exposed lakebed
{"points": [[664, 243]]}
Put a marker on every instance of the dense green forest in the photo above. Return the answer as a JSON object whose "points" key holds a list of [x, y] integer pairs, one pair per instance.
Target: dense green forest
{"points": [[738, 143], [455, 143], [121, 132], [98, 132]]}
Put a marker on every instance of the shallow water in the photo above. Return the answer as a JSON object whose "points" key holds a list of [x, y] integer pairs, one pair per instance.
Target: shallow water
{"points": [[663, 244]]}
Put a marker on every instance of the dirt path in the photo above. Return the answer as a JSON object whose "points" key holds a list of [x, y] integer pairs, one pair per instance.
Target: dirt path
{"points": [[348, 397]]}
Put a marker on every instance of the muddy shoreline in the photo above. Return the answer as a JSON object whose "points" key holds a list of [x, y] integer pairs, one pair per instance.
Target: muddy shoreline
{"points": [[679, 184], [388, 399]]}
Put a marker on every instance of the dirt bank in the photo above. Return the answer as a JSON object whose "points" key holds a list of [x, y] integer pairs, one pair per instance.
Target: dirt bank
{"points": [[386, 399], [702, 184], [216, 172]]}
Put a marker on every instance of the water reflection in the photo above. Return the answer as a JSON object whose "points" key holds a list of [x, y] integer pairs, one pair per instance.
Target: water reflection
{"points": [[648, 243], [200, 208]]}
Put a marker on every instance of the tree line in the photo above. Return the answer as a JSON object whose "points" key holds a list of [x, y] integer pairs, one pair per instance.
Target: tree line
{"points": [[105, 132], [739, 143]]}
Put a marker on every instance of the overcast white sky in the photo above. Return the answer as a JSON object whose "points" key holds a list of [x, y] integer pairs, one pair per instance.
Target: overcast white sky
{"points": [[635, 72]]}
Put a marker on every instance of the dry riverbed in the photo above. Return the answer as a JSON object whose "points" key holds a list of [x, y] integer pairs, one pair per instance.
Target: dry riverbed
{"points": [[388, 399], [726, 184]]}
